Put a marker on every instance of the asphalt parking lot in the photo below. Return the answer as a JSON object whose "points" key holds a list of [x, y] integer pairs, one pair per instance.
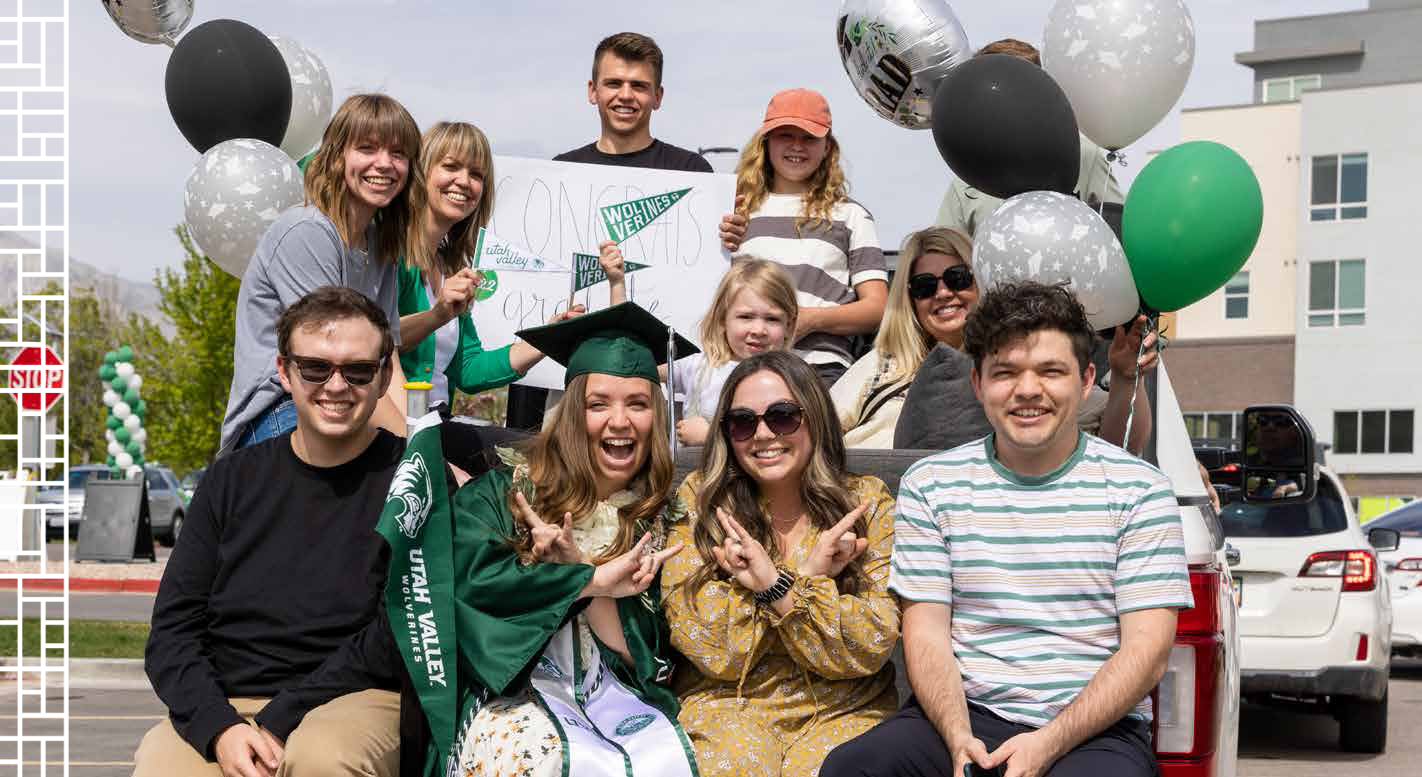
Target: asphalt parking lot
{"points": [[105, 726]]}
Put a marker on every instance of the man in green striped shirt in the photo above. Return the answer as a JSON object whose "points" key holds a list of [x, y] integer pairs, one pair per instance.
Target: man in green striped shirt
{"points": [[1047, 563]]}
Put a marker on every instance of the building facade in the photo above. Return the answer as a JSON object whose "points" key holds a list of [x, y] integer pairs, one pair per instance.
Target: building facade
{"points": [[1322, 315]]}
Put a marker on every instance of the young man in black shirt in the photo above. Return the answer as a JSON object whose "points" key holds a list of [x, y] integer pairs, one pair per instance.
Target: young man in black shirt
{"points": [[626, 86], [279, 568]]}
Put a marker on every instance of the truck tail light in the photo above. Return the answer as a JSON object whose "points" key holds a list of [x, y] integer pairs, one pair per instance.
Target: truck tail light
{"points": [[1358, 568], [1186, 711]]}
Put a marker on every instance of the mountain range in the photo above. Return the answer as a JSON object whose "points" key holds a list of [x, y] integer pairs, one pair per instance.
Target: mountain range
{"points": [[125, 295]]}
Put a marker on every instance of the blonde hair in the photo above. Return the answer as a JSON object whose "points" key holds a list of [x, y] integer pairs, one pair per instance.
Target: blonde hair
{"points": [[565, 476], [381, 119], [827, 186], [469, 147], [901, 338], [765, 278], [824, 487]]}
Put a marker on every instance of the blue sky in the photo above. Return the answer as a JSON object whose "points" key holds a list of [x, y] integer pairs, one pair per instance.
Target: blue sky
{"points": [[519, 71]]}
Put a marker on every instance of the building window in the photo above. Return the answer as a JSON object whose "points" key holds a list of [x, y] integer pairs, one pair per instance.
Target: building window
{"points": [[1237, 296], [1282, 90], [1211, 426], [1372, 431], [1336, 293], [1340, 187]]}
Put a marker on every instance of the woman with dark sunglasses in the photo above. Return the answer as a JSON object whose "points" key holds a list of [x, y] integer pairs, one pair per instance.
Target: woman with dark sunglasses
{"points": [[783, 613], [929, 300]]}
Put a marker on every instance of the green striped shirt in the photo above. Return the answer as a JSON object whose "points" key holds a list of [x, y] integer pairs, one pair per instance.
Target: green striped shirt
{"points": [[1038, 570]]}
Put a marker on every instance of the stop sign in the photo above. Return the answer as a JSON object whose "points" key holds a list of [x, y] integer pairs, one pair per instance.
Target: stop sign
{"points": [[37, 368]]}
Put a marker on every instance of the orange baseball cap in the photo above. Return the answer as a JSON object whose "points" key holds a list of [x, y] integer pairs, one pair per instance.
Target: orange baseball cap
{"points": [[803, 108]]}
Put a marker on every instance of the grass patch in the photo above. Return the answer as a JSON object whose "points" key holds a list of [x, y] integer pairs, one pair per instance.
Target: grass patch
{"points": [[87, 639]]}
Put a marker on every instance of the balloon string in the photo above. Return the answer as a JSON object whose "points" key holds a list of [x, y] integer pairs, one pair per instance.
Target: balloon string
{"points": [[1118, 157], [1136, 383]]}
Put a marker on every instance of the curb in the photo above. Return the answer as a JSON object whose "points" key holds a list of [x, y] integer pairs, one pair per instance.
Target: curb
{"points": [[115, 674], [86, 585]]}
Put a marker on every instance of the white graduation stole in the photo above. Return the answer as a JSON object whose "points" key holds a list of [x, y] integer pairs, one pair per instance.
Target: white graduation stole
{"points": [[606, 730]]}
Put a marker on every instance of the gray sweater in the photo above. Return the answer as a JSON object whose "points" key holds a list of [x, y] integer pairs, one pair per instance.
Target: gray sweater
{"points": [[300, 252]]}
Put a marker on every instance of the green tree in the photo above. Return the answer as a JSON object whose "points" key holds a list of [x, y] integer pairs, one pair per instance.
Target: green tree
{"points": [[93, 325], [186, 379]]}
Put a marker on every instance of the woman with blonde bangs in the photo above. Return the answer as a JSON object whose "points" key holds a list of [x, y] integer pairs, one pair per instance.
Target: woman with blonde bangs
{"points": [[793, 201], [440, 344], [753, 311], [929, 300], [362, 195], [782, 612], [555, 565]]}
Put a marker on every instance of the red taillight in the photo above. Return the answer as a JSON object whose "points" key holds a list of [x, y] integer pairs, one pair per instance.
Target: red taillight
{"points": [[1358, 568], [1362, 648], [1229, 468], [1188, 695]]}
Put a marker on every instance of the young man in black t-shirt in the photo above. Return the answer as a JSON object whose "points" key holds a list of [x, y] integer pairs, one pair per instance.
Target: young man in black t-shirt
{"points": [[278, 568], [626, 87]]}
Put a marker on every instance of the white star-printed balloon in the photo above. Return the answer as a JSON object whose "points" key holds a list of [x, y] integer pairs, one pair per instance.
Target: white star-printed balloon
{"points": [[234, 193], [1052, 238], [310, 97], [1122, 63]]}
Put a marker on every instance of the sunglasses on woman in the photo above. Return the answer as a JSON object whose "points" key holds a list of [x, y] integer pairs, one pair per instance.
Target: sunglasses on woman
{"points": [[781, 418], [925, 285], [318, 371]]}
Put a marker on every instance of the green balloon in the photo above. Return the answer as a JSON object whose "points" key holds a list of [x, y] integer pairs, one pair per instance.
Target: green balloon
{"points": [[133, 449], [122, 435], [111, 357], [140, 409], [113, 423], [131, 396], [1191, 221], [125, 354], [109, 462], [107, 373]]}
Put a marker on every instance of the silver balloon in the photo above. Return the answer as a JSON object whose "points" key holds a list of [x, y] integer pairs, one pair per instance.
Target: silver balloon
{"points": [[310, 98], [1052, 238], [1122, 63], [234, 193], [151, 21], [896, 52]]}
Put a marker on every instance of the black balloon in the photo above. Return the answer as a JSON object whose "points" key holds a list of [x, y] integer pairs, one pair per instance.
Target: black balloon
{"points": [[227, 80], [1005, 127]]}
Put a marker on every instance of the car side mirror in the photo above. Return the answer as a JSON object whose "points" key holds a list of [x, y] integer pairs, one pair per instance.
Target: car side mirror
{"points": [[1384, 540], [1278, 456]]}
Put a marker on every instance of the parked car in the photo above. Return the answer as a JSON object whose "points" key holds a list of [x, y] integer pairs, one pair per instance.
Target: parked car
{"points": [[1315, 610], [68, 517], [1404, 570], [166, 505]]}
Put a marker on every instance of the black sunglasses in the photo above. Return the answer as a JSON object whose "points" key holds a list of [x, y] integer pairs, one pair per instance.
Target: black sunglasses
{"points": [[318, 371], [925, 285], [781, 418]]}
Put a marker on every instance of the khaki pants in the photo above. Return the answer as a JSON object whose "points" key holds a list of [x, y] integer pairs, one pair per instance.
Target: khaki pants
{"points": [[355, 734]]}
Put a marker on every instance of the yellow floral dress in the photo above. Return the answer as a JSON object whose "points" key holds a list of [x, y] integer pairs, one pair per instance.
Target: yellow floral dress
{"points": [[771, 696]]}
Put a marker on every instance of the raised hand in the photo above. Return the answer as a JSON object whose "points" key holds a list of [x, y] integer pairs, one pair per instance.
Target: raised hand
{"points": [[573, 312], [630, 573], [733, 226], [609, 256], [693, 430], [836, 547], [742, 557], [455, 294], [1125, 355], [552, 543]]}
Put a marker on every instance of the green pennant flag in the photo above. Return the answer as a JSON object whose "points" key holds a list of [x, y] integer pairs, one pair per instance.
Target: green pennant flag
{"points": [[627, 219], [588, 271], [417, 523], [492, 252]]}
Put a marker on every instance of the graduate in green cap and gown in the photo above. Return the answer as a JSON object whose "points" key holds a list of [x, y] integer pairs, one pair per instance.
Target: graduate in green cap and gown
{"points": [[564, 658]]}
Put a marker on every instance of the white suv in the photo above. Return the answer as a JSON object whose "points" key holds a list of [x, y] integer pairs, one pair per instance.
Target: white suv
{"points": [[1315, 612]]}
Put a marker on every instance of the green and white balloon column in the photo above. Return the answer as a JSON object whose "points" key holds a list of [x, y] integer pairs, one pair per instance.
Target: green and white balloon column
{"points": [[127, 439]]}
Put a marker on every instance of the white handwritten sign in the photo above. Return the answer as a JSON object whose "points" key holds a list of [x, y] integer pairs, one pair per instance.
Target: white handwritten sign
{"points": [[552, 210]]}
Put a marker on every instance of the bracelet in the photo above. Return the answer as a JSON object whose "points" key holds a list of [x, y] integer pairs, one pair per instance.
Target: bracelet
{"points": [[777, 591]]}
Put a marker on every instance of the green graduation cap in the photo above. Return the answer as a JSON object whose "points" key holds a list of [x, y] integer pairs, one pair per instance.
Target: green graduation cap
{"points": [[624, 340]]}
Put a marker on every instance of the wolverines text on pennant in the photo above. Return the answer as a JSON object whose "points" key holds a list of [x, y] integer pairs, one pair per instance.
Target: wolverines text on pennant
{"points": [[627, 219]]}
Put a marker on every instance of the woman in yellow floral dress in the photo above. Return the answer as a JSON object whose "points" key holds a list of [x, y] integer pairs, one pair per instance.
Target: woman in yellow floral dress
{"points": [[783, 613]]}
